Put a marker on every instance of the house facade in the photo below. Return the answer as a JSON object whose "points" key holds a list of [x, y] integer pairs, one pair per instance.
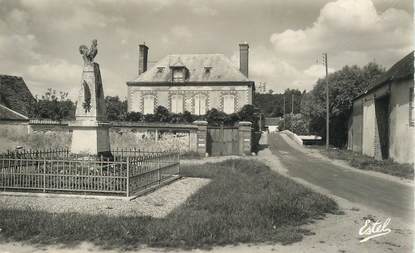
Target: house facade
{"points": [[382, 121], [191, 82]]}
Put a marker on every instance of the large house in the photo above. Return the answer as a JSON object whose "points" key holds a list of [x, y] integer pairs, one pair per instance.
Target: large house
{"points": [[191, 82], [382, 124]]}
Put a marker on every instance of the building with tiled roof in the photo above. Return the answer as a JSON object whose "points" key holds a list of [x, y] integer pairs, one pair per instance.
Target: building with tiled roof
{"points": [[15, 95], [7, 114], [382, 124], [191, 82]]}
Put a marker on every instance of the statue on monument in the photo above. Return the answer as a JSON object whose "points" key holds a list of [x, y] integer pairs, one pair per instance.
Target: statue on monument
{"points": [[90, 132], [89, 54]]}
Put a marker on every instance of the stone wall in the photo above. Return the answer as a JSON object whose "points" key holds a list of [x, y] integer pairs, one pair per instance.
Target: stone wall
{"points": [[13, 136], [185, 138], [153, 139], [124, 135]]}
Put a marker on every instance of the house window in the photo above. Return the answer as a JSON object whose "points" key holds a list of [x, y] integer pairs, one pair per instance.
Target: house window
{"points": [[200, 104], [178, 75], [228, 104], [148, 104], [411, 108], [177, 103]]}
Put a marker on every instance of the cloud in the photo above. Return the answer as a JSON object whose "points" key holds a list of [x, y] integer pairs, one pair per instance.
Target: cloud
{"points": [[51, 72], [317, 71], [181, 32], [43, 36], [204, 10], [348, 26], [64, 76], [20, 48], [59, 75], [278, 73], [351, 32]]}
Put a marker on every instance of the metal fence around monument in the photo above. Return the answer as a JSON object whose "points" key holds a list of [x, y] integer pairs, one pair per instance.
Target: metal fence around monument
{"points": [[126, 174]]}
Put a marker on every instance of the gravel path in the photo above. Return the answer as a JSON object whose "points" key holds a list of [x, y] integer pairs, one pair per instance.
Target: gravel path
{"points": [[156, 204]]}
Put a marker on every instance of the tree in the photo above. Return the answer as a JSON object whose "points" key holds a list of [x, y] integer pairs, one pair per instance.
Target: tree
{"points": [[296, 123], [272, 104], [116, 109], [53, 106], [293, 99], [250, 113], [162, 114], [344, 86]]}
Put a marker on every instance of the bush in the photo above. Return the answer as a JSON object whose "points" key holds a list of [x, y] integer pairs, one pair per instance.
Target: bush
{"points": [[217, 118], [363, 162], [162, 114], [296, 123], [134, 116]]}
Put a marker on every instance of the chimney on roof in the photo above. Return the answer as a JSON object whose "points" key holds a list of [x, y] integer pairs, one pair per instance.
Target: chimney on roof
{"points": [[142, 58], [243, 58]]}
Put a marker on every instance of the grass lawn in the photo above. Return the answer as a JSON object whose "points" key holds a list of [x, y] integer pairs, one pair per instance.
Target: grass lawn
{"points": [[364, 162], [244, 202]]}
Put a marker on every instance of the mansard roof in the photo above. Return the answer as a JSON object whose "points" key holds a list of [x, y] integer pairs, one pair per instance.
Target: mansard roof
{"points": [[200, 67]]}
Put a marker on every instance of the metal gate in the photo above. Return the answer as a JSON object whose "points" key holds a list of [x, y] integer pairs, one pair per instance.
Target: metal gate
{"points": [[223, 141]]}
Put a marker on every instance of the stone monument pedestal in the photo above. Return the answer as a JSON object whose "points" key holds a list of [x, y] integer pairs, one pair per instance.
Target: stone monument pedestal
{"points": [[89, 137], [90, 132]]}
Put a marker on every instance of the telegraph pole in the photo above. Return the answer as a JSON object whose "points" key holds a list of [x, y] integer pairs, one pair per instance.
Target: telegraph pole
{"points": [[260, 121], [292, 103], [327, 102], [283, 113]]}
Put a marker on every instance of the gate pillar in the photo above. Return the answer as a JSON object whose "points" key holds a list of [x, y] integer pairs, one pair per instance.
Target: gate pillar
{"points": [[245, 137], [201, 137]]}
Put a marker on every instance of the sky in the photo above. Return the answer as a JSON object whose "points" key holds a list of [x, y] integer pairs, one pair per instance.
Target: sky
{"points": [[39, 39]]}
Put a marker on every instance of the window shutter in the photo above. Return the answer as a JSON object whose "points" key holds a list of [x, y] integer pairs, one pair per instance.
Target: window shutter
{"points": [[148, 104], [229, 104]]}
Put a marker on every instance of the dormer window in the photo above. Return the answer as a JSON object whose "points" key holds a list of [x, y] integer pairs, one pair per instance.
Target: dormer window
{"points": [[207, 70], [160, 69], [179, 74]]}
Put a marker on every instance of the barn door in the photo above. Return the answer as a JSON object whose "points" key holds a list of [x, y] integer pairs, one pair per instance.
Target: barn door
{"points": [[382, 118]]}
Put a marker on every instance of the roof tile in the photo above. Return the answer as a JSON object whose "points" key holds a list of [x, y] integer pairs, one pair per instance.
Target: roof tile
{"points": [[221, 69]]}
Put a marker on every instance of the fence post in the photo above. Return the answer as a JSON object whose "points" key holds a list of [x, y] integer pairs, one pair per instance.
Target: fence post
{"points": [[128, 176], [44, 174], [158, 169]]}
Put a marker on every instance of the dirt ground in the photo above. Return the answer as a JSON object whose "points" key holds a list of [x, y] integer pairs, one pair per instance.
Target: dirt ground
{"points": [[334, 233], [339, 233], [156, 204]]}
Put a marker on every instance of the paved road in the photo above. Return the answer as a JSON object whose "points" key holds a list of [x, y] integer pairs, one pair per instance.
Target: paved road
{"points": [[392, 198]]}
